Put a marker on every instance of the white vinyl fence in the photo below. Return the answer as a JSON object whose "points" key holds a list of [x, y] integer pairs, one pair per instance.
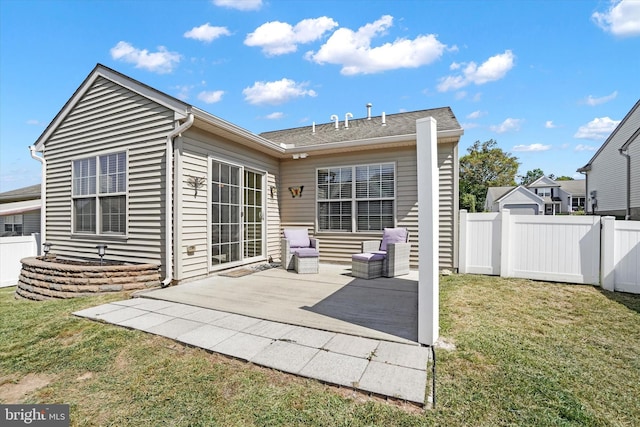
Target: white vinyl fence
{"points": [[570, 249], [12, 250]]}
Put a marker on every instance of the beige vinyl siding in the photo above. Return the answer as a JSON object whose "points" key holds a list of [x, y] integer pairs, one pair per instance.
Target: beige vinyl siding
{"points": [[337, 247], [608, 175], [197, 147], [108, 119]]}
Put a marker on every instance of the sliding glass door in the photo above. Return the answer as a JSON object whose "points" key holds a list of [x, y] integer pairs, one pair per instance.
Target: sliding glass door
{"points": [[237, 214]]}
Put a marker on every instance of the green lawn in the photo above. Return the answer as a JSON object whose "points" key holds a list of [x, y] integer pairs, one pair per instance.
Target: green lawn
{"points": [[527, 353]]}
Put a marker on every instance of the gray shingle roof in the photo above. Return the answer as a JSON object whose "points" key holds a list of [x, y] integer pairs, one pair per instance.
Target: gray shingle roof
{"points": [[363, 128], [576, 187], [25, 193]]}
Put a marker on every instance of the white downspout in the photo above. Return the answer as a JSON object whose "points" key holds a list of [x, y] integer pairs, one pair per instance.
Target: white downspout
{"points": [[43, 196], [169, 199]]}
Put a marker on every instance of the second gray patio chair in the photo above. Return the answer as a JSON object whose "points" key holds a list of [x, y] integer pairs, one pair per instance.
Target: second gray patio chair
{"points": [[394, 249]]}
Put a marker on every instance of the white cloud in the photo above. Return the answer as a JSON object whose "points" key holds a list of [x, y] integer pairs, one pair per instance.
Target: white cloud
{"points": [[279, 38], [476, 115], [275, 115], [597, 129], [622, 19], [34, 122], [161, 61], [275, 93], [239, 4], [532, 147], [591, 101], [506, 126], [211, 97], [183, 91], [494, 68], [550, 125], [353, 51], [206, 33], [582, 147]]}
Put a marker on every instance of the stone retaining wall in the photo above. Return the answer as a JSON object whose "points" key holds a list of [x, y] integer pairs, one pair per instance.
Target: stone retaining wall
{"points": [[40, 280]]}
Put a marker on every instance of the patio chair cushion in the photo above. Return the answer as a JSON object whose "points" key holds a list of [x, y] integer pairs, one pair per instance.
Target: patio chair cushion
{"points": [[393, 235], [367, 257], [297, 237], [306, 253]]}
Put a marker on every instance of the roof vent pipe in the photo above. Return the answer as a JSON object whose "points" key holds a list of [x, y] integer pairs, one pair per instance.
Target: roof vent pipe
{"points": [[384, 119], [313, 128], [334, 118], [346, 120], [369, 105]]}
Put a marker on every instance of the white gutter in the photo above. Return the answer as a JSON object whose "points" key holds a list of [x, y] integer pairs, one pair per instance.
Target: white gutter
{"points": [[43, 196], [169, 199]]}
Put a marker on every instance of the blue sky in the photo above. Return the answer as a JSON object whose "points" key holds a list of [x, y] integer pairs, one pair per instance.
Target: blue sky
{"points": [[548, 80]]}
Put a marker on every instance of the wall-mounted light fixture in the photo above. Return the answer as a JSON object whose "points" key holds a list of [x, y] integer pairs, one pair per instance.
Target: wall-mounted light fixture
{"points": [[273, 190], [102, 249], [46, 247]]}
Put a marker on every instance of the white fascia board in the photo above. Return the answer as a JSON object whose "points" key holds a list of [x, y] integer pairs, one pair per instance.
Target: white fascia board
{"points": [[14, 208], [237, 130], [368, 142]]}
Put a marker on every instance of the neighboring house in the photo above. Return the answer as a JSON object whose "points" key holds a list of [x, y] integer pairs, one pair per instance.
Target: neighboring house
{"points": [[544, 196], [159, 180], [519, 200], [613, 173], [20, 211]]}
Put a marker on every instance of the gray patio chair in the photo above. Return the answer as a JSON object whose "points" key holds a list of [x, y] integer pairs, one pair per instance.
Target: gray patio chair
{"points": [[395, 248], [298, 251]]}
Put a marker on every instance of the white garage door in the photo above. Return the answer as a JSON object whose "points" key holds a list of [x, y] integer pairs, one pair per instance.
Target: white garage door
{"points": [[522, 209]]}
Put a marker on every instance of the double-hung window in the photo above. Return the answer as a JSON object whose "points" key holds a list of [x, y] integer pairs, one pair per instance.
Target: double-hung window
{"points": [[356, 198], [13, 225], [100, 194]]}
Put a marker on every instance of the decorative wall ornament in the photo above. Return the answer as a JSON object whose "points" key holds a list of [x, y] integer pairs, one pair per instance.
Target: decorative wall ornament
{"points": [[296, 191], [195, 182]]}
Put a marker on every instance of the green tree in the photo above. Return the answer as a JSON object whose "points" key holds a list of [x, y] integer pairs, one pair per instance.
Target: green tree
{"points": [[563, 178], [531, 176], [485, 166], [468, 202]]}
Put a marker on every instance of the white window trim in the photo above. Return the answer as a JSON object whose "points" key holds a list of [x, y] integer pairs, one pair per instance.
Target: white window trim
{"points": [[354, 201], [97, 196]]}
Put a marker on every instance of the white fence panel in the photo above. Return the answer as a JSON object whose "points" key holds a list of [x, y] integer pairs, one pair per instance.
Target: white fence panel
{"points": [[480, 243], [626, 255], [553, 248], [12, 250]]}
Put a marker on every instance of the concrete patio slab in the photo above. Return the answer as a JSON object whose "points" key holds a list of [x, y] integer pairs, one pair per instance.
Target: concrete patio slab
{"points": [[395, 381], [94, 312], [206, 336], [269, 329], [402, 355], [352, 346], [117, 316], [242, 346], [146, 321], [335, 368], [332, 300], [205, 315], [329, 326], [235, 321], [174, 327], [178, 310], [308, 337], [285, 356]]}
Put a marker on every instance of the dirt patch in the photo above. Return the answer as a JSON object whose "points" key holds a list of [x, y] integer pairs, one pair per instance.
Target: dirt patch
{"points": [[16, 391]]}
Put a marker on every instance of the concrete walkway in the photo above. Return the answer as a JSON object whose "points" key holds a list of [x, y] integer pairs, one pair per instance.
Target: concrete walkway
{"points": [[393, 369]]}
